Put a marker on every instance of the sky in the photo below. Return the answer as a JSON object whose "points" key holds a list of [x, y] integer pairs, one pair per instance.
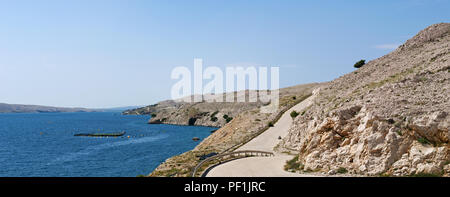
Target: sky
{"points": [[111, 53]]}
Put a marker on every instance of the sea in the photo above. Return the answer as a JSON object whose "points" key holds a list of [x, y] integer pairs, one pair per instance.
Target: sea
{"points": [[44, 145]]}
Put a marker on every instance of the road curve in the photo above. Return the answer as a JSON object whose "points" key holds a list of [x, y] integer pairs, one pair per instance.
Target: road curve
{"points": [[264, 166]]}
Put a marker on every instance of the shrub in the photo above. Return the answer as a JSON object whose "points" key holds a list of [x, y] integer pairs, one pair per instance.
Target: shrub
{"points": [[425, 175], [214, 114], [294, 114], [270, 124], [214, 119], [384, 175], [391, 121], [423, 141], [342, 170], [359, 64], [153, 115], [293, 164], [227, 118]]}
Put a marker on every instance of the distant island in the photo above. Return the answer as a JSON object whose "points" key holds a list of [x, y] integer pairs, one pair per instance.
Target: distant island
{"points": [[17, 108]]}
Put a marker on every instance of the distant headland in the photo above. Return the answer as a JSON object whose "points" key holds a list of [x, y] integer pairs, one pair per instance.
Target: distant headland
{"points": [[17, 108]]}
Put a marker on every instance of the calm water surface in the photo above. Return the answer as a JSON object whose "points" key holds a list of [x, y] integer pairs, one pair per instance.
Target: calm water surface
{"points": [[43, 144]]}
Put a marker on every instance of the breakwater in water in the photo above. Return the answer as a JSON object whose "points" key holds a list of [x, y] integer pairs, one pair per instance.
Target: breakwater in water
{"points": [[44, 144], [118, 134]]}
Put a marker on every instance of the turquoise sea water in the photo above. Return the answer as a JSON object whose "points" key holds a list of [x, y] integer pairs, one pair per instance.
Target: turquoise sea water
{"points": [[43, 144]]}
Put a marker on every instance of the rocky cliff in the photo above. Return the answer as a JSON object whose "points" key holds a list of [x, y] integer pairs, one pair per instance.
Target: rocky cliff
{"points": [[215, 114], [389, 117]]}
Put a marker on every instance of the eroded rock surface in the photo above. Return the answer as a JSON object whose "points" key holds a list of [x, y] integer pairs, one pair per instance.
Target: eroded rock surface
{"points": [[389, 117]]}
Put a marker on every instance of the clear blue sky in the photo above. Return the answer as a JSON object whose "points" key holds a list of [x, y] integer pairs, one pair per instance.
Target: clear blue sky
{"points": [[108, 53]]}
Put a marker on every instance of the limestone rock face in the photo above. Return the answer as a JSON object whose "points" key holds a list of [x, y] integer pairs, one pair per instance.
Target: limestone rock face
{"points": [[216, 114], [389, 117]]}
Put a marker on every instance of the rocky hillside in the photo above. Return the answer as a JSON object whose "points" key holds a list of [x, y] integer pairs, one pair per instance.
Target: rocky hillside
{"points": [[389, 117], [215, 114], [246, 123], [199, 113], [14, 108]]}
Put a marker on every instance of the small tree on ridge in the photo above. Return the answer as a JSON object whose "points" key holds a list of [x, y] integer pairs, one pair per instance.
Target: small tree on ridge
{"points": [[359, 64]]}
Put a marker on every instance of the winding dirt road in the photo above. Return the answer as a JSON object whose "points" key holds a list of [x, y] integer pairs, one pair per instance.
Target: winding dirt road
{"points": [[264, 166]]}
